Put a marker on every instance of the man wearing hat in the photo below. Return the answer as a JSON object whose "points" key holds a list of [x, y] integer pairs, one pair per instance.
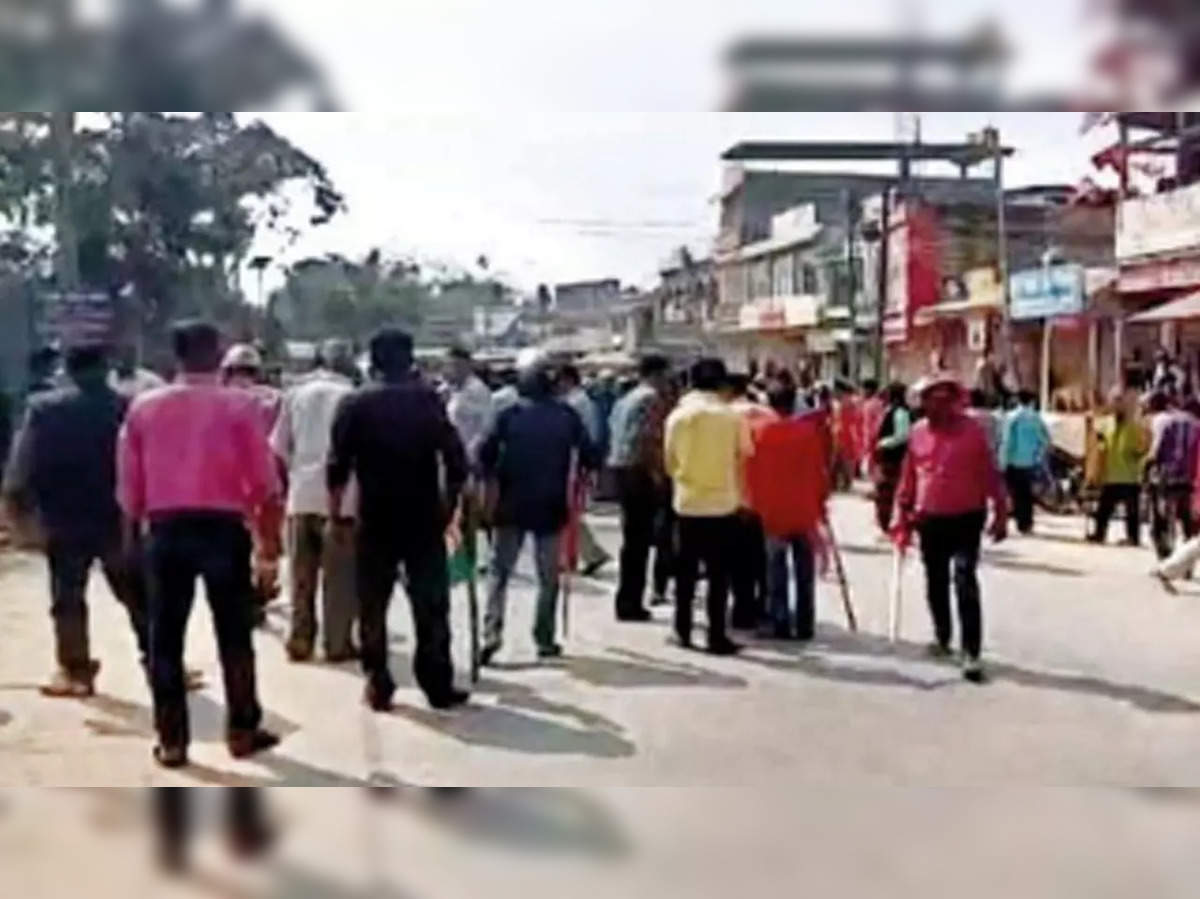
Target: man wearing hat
{"points": [[319, 548], [242, 369], [949, 477]]}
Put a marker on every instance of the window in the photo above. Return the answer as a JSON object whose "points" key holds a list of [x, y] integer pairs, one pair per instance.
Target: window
{"points": [[808, 278], [782, 272]]}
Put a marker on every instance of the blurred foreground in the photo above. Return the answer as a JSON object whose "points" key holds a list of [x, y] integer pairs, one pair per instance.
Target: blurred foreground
{"points": [[630, 842]]}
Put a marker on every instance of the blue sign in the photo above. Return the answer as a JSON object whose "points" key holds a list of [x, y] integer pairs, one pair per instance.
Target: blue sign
{"points": [[1047, 292]]}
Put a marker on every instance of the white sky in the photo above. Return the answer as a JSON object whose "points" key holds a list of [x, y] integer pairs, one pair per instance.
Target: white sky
{"points": [[569, 142]]}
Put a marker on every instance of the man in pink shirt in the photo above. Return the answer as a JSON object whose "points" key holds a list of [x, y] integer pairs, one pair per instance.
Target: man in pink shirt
{"points": [[949, 475], [193, 466]]}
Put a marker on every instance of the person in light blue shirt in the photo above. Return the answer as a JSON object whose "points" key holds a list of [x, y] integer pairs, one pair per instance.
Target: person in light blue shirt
{"points": [[1023, 452]]}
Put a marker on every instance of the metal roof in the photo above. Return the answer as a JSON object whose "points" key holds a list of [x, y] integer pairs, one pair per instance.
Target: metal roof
{"points": [[798, 151]]}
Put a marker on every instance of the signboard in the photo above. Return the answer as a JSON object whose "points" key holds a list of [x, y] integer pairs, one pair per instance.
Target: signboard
{"points": [[1159, 224], [77, 319], [779, 313], [1046, 292], [1165, 274]]}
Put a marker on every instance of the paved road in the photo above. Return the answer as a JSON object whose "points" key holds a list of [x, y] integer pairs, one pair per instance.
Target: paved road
{"points": [[1097, 682]]}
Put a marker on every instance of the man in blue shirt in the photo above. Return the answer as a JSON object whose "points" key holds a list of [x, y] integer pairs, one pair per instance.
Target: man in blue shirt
{"points": [[1025, 443]]}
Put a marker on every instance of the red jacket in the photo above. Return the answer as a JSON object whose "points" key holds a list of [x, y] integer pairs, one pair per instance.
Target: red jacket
{"points": [[787, 474]]}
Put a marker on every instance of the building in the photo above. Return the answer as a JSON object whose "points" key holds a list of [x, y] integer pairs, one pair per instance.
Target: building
{"points": [[1157, 158], [587, 297], [789, 269], [943, 294]]}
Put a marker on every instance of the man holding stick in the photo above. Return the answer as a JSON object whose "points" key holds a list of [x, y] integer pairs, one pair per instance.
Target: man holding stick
{"points": [[948, 478], [787, 485]]}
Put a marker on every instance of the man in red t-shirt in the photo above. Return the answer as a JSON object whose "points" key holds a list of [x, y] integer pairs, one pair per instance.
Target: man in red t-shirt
{"points": [[948, 480], [788, 484]]}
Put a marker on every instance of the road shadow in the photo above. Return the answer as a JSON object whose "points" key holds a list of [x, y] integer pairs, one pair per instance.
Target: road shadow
{"points": [[5, 717], [816, 666], [552, 820], [999, 559], [866, 549], [131, 719], [501, 727], [524, 697], [206, 718], [1146, 699], [625, 668]]}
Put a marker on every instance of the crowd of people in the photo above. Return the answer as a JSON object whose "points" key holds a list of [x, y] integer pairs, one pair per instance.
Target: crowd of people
{"points": [[362, 484]]}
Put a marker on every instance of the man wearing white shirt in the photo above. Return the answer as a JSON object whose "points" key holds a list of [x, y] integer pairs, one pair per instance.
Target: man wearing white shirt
{"points": [[316, 545], [129, 379]]}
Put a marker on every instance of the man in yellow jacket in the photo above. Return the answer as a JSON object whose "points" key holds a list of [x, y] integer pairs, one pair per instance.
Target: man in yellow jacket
{"points": [[1125, 445], [706, 443]]}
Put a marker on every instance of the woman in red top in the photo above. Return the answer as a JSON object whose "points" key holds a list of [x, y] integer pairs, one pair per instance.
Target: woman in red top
{"points": [[787, 486], [847, 435]]}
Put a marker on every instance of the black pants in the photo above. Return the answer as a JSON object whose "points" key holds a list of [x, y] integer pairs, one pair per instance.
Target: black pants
{"points": [[950, 544], [1128, 495], [748, 572], [71, 559], [706, 540], [666, 541], [1020, 489], [1170, 501], [216, 548], [380, 552], [641, 508]]}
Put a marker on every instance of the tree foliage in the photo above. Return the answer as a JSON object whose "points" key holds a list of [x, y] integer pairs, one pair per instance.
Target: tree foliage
{"points": [[336, 296], [165, 208]]}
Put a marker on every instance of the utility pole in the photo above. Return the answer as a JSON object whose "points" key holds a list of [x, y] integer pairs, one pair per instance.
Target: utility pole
{"points": [[885, 229], [992, 142], [848, 201], [66, 268]]}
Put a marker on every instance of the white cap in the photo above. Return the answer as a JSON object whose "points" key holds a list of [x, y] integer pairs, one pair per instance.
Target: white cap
{"points": [[242, 355]]}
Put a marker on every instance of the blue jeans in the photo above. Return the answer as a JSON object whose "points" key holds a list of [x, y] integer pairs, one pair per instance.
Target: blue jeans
{"points": [[506, 549], [777, 585]]}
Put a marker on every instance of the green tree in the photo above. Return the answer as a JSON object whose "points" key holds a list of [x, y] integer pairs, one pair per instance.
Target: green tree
{"points": [[165, 207]]}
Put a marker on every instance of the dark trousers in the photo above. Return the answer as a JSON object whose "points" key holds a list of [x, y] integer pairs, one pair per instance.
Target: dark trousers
{"points": [[1128, 495], [706, 540], [1020, 489], [665, 542], [748, 571], [1170, 502], [950, 545], [886, 484], [215, 548], [641, 504], [70, 559], [381, 550]]}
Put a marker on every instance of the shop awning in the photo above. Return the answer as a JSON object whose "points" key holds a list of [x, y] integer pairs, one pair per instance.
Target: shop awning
{"points": [[1183, 308]]}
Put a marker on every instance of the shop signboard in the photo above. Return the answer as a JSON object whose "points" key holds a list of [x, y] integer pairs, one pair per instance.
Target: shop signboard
{"points": [[1160, 224], [77, 318], [1046, 292], [780, 313]]}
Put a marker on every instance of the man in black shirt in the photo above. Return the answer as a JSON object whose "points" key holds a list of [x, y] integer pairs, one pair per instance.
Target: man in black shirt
{"points": [[63, 471], [395, 436]]}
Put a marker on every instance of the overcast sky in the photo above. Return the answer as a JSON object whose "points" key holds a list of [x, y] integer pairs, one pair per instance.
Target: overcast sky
{"points": [[483, 147]]}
